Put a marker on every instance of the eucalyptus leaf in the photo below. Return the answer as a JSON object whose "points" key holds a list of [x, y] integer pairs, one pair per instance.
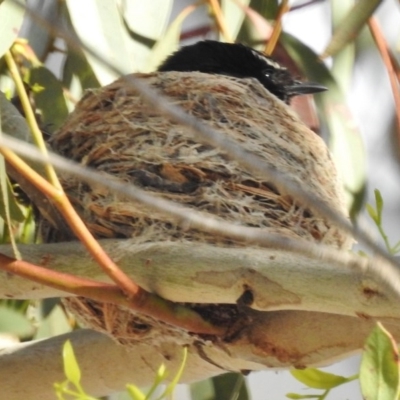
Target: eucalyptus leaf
{"points": [[135, 392], [100, 26], [230, 385], [71, 367], [12, 122], [296, 396], [77, 76], [55, 323], [379, 372], [343, 62], [202, 390], [11, 18], [12, 206], [147, 18], [234, 15], [49, 97], [172, 385], [77, 65], [12, 321], [317, 379], [169, 42], [351, 25], [9, 208]]}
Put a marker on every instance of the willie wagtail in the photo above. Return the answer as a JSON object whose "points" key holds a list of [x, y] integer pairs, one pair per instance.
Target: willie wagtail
{"points": [[240, 61]]}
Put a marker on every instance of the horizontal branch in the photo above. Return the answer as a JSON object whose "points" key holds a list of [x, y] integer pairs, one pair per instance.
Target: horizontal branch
{"points": [[181, 272], [287, 337]]}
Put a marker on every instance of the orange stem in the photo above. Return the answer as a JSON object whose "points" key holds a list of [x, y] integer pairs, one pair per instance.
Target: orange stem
{"points": [[273, 40], [76, 224], [219, 18], [151, 305], [383, 48]]}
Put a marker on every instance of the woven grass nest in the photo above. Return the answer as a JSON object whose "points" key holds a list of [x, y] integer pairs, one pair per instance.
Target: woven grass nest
{"points": [[116, 132]]}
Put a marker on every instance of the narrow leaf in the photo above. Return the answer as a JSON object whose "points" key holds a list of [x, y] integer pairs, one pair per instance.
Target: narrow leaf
{"points": [[379, 204], [296, 396], [71, 366], [100, 26], [171, 387], [318, 379], [234, 15], [147, 18], [372, 213], [11, 18], [49, 97], [351, 25], [135, 392], [169, 42], [202, 390], [343, 62], [224, 387], [76, 65], [8, 202]]}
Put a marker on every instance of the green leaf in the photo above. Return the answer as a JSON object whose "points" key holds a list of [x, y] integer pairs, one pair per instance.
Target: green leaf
{"points": [[234, 16], [158, 380], [11, 18], [351, 25], [302, 396], [100, 26], [379, 205], [169, 42], [396, 248], [345, 140], [12, 321], [318, 379], [379, 372], [77, 76], [76, 65], [71, 366], [343, 62], [12, 122], [50, 99], [56, 323], [228, 386], [202, 390], [147, 18], [8, 204], [372, 213], [171, 387], [135, 392]]}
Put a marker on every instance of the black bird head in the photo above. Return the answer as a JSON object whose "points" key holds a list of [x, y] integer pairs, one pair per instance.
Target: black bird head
{"points": [[240, 61]]}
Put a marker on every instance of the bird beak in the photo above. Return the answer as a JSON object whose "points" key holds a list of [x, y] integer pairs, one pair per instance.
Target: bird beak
{"points": [[299, 88]]}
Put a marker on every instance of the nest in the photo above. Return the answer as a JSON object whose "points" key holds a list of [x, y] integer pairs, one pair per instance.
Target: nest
{"points": [[116, 132]]}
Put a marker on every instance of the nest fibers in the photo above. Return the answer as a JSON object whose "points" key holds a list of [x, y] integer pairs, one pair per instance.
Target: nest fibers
{"points": [[116, 132]]}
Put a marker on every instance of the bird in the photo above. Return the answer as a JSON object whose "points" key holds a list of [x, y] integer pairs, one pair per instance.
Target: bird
{"points": [[238, 60]]}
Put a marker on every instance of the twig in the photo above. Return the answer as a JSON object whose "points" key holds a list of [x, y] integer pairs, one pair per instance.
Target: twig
{"points": [[30, 117], [189, 218], [273, 40], [151, 305], [383, 48]]}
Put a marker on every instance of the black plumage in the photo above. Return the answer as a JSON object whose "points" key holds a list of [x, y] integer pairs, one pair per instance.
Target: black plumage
{"points": [[239, 61]]}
